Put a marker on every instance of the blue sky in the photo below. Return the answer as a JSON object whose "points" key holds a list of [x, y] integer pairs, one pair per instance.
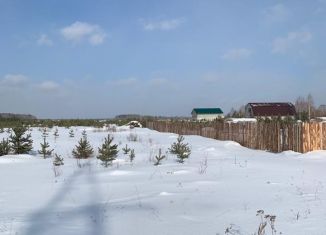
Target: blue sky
{"points": [[96, 59]]}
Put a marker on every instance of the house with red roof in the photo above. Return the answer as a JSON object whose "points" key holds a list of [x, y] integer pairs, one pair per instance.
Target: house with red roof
{"points": [[270, 110]]}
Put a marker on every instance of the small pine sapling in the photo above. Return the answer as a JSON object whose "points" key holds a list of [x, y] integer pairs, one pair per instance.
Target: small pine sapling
{"points": [[84, 134], [159, 158], [4, 147], [44, 132], [56, 133], [182, 150], [58, 160], [126, 150], [20, 144], [132, 155], [45, 147], [108, 152], [83, 149], [71, 133]]}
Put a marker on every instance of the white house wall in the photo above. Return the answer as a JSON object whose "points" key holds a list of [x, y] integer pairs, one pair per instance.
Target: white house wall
{"points": [[209, 117]]}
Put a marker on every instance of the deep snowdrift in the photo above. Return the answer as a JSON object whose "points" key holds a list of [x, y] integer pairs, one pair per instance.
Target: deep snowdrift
{"points": [[139, 198]]}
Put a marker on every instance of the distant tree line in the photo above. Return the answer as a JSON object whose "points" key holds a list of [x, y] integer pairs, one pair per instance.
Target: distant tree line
{"points": [[239, 113], [13, 122], [306, 108], [17, 116]]}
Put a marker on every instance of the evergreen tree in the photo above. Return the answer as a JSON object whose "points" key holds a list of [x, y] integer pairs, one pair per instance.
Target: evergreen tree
{"points": [[58, 160], [83, 149], [56, 133], [180, 149], [84, 134], [126, 150], [4, 147], [108, 152], [44, 132], [132, 155], [71, 133], [20, 144], [159, 158], [44, 146]]}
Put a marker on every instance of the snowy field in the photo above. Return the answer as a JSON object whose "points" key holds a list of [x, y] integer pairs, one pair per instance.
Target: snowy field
{"points": [[193, 198]]}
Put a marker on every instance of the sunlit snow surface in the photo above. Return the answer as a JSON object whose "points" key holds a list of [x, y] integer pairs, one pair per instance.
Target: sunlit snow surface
{"points": [[173, 198]]}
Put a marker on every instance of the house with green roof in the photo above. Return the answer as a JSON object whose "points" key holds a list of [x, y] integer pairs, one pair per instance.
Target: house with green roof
{"points": [[208, 114]]}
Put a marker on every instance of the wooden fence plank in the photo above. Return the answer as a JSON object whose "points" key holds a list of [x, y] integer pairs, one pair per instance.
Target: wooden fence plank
{"points": [[270, 136]]}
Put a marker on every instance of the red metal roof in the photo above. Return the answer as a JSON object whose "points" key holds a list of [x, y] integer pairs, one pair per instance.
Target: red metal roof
{"points": [[273, 109]]}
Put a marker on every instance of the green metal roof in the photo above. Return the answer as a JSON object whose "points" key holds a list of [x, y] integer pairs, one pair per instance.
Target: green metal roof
{"points": [[207, 111]]}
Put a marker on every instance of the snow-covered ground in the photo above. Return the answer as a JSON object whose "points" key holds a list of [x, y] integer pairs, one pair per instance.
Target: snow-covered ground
{"points": [[173, 198], [237, 120]]}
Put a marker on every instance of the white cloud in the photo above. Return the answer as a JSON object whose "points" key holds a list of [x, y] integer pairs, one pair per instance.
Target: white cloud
{"points": [[14, 80], [237, 53], [282, 44], [97, 39], [164, 25], [48, 86], [81, 31], [44, 40], [276, 13]]}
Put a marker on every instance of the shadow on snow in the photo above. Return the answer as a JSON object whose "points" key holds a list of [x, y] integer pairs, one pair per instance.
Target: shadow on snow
{"points": [[75, 219]]}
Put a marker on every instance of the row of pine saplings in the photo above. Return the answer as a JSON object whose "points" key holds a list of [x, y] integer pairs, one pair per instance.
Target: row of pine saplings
{"points": [[21, 143]]}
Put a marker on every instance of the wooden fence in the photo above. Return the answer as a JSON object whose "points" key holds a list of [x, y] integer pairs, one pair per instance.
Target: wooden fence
{"points": [[270, 136]]}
